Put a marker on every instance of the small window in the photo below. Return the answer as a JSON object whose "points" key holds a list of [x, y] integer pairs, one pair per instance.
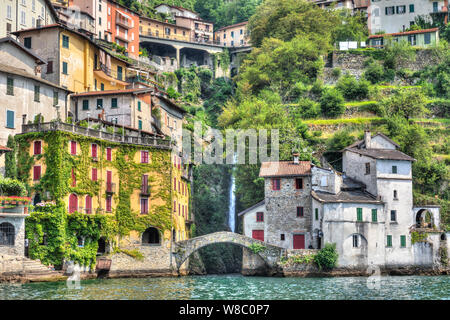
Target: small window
{"points": [[427, 38], [108, 154], [260, 216], [275, 184], [27, 42], [37, 94], [37, 147], [85, 104], [7, 234], [359, 215], [36, 173], [368, 168], [73, 147], [144, 205], [389, 241], [65, 41], [64, 68], [10, 123], [316, 213], [102, 87], [395, 195], [411, 8], [144, 156], [355, 240], [94, 174], [403, 241], [113, 103], [394, 169], [374, 215], [139, 106], [299, 211], [393, 215], [10, 86], [282, 238], [140, 124], [94, 150], [99, 103], [108, 203], [298, 183], [55, 98], [49, 67]]}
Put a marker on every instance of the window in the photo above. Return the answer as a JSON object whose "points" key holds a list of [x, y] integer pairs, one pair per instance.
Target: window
{"points": [[36, 173], [394, 169], [94, 150], [144, 205], [88, 204], [355, 240], [64, 67], [367, 167], [144, 184], [10, 86], [395, 195], [427, 38], [151, 236], [55, 98], [49, 67], [113, 103], [240, 31], [94, 174], [144, 156], [174, 206], [411, 8], [37, 147], [37, 96], [232, 34], [102, 86], [85, 104], [282, 238], [7, 234], [393, 215], [374, 215], [27, 42], [8, 12], [10, 119], [389, 241], [401, 9], [403, 241], [299, 211], [99, 103], [119, 72], [275, 184], [260, 216], [22, 17], [73, 147], [390, 11], [359, 216], [316, 213], [412, 39], [108, 154], [108, 203], [99, 7], [139, 106], [435, 6], [65, 41], [298, 183]]}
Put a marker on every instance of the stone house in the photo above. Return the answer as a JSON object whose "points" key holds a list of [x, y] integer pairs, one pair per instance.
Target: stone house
{"points": [[367, 210]]}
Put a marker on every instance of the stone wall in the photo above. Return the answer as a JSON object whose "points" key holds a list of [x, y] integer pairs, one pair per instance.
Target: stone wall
{"points": [[18, 221]]}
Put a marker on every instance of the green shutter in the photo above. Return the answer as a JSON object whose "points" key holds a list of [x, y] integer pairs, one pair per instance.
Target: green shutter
{"points": [[119, 72], [359, 214], [10, 86], [10, 119], [85, 104], [317, 213], [55, 98], [102, 86], [113, 102], [65, 41], [65, 67], [140, 124], [411, 8], [389, 241], [99, 103], [139, 106], [374, 215], [394, 169], [37, 90], [403, 241]]}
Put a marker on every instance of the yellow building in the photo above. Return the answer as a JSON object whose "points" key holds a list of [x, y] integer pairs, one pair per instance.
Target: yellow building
{"points": [[74, 61], [155, 28]]}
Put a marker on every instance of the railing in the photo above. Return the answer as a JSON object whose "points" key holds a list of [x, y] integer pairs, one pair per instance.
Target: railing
{"points": [[145, 190], [110, 187], [179, 38], [123, 22], [111, 73], [61, 126]]}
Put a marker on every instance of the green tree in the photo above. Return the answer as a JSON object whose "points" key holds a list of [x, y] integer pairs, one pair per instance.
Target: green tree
{"points": [[332, 103], [353, 89], [351, 26], [10, 158], [405, 102]]}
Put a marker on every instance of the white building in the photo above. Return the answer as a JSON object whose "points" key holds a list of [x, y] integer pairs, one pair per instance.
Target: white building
{"points": [[396, 16], [367, 210], [174, 11]]}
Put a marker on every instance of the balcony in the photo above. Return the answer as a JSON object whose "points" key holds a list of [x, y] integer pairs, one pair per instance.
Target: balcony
{"points": [[123, 22], [145, 190], [106, 73], [110, 187], [122, 37]]}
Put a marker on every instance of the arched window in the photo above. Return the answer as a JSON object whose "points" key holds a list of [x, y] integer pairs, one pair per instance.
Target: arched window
{"points": [[424, 219], [73, 203], [7, 234], [150, 236]]}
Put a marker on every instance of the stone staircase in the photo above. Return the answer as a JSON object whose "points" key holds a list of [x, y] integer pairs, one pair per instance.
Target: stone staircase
{"points": [[21, 269]]}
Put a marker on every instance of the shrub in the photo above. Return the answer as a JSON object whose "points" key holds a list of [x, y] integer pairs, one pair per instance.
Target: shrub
{"points": [[353, 89], [374, 72], [12, 187], [332, 103], [327, 257], [317, 87], [172, 93], [336, 73], [307, 109]]}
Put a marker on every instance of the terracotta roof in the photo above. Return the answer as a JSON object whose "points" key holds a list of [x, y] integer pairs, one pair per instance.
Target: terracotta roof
{"points": [[5, 149], [23, 73], [21, 46], [285, 169], [403, 33], [233, 25], [357, 196], [110, 92], [259, 204], [382, 154]]}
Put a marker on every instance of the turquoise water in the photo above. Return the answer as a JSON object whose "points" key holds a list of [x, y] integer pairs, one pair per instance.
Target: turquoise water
{"points": [[238, 287]]}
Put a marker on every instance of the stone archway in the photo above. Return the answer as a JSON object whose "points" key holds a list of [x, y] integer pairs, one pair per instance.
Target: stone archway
{"points": [[151, 236], [270, 254], [424, 219]]}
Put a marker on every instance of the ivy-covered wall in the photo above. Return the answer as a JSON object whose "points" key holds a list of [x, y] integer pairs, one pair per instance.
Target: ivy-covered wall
{"points": [[63, 230]]}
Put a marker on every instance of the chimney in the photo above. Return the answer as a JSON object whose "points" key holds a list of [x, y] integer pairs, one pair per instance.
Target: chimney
{"points": [[367, 139], [295, 155]]}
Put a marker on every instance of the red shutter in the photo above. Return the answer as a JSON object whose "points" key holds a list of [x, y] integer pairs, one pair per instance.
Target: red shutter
{"points": [[258, 234], [174, 206], [73, 203], [94, 174], [144, 156], [36, 173], [179, 163], [144, 183], [275, 184], [73, 147], [108, 154], [94, 151], [37, 147], [88, 204], [179, 211], [108, 204], [299, 241], [175, 184], [144, 206]]}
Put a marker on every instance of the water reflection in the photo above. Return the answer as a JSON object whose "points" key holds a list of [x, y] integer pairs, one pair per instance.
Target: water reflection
{"points": [[235, 287]]}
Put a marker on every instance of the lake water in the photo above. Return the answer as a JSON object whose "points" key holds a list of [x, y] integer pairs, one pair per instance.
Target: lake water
{"points": [[238, 287]]}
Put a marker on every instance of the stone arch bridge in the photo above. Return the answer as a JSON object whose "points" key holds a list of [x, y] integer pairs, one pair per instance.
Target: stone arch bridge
{"points": [[183, 249]]}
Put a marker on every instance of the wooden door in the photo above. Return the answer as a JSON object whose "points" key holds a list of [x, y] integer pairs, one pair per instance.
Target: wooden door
{"points": [[299, 241], [258, 234]]}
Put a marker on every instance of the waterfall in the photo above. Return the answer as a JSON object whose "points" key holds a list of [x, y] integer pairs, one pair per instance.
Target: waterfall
{"points": [[231, 205]]}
